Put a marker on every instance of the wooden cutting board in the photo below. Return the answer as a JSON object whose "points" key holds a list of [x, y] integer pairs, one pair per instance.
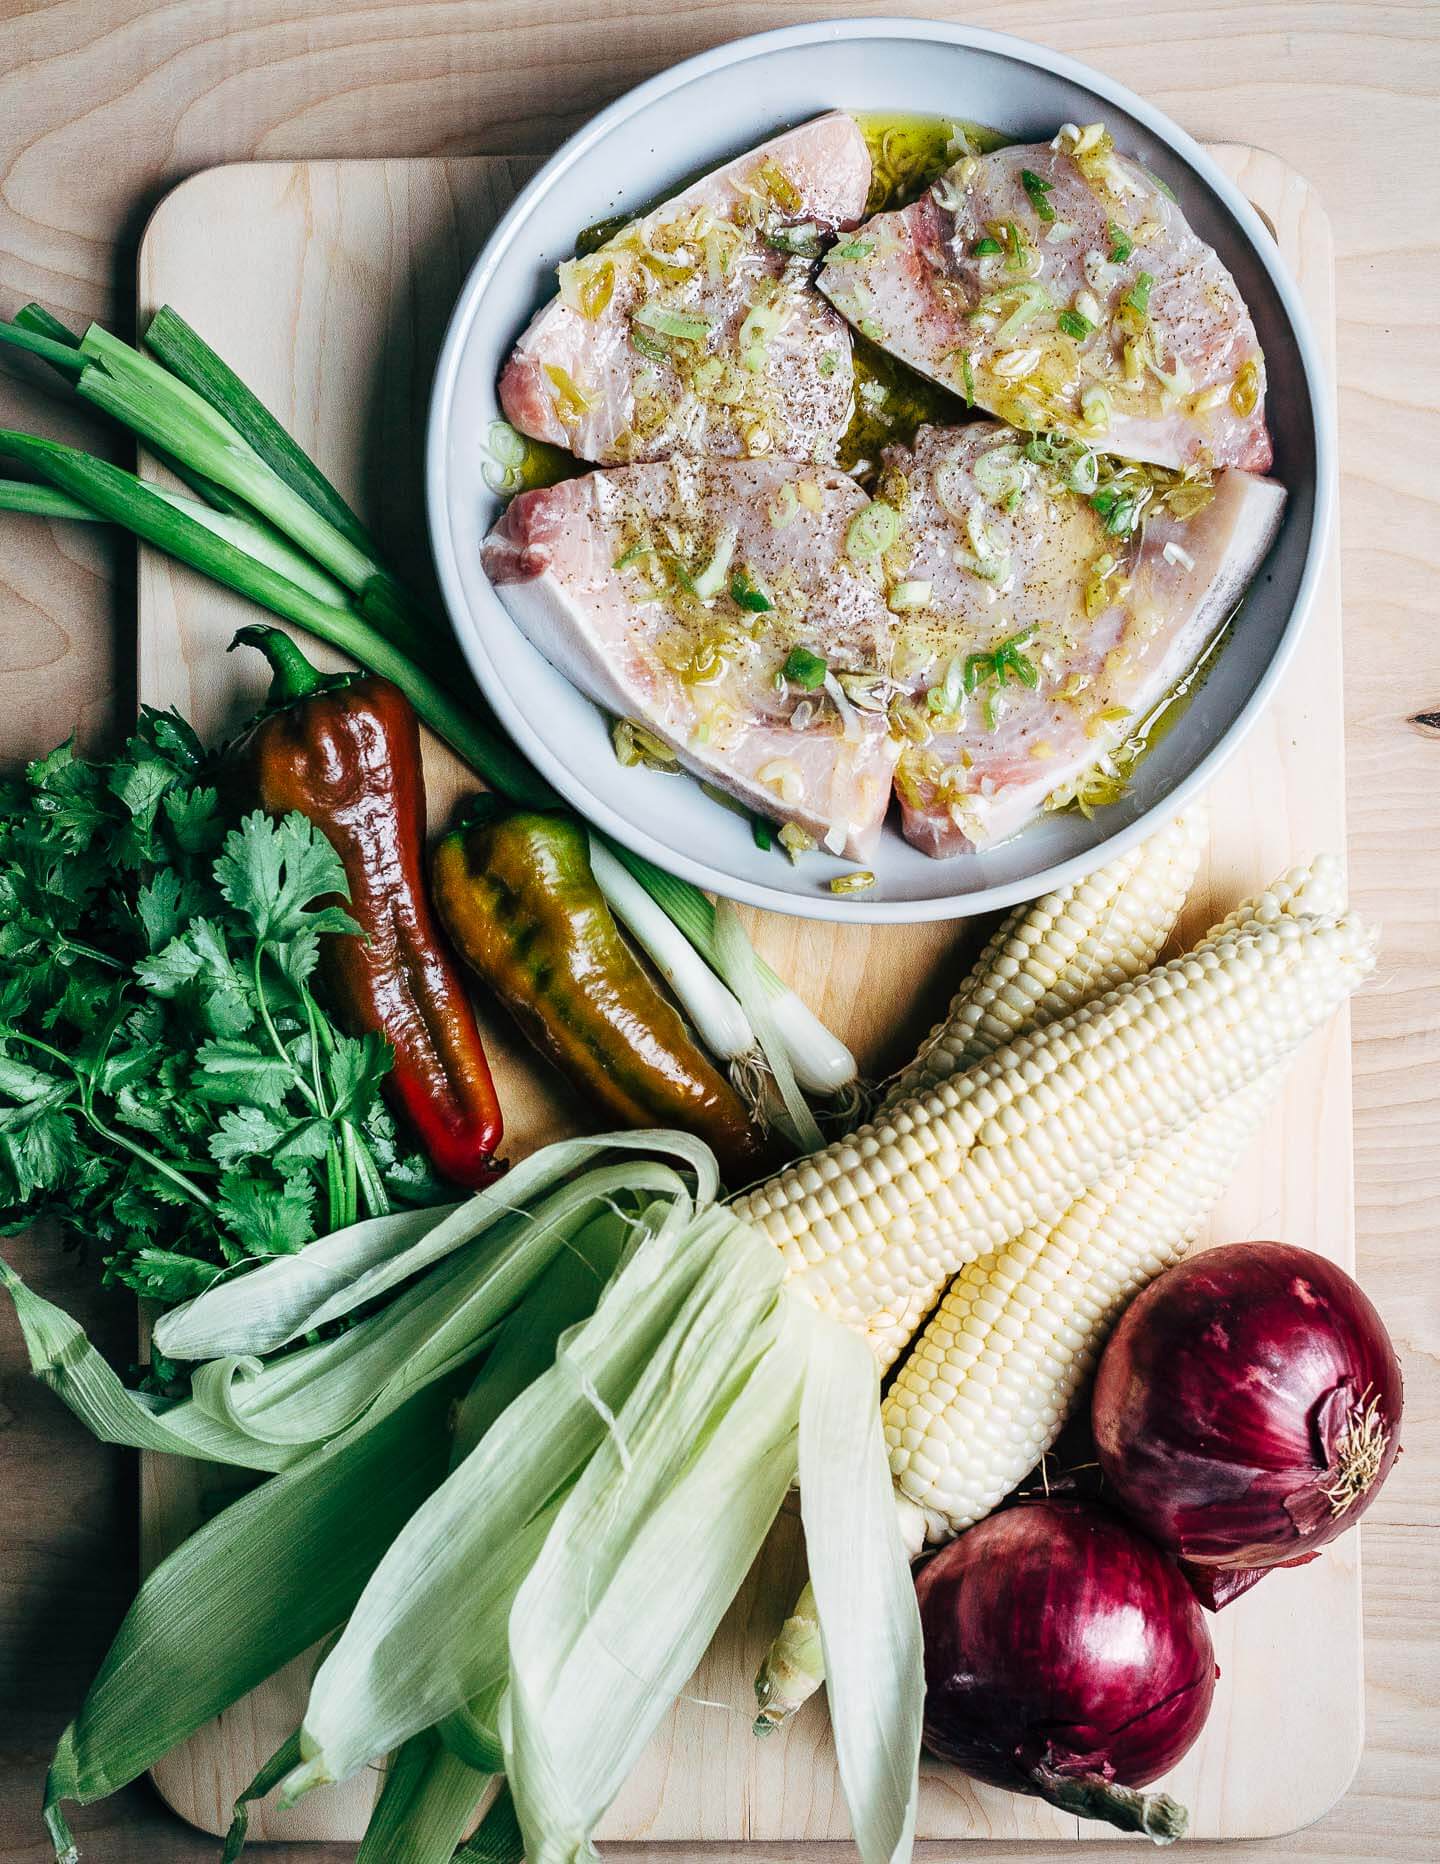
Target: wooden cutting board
{"points": [[327, 285]]}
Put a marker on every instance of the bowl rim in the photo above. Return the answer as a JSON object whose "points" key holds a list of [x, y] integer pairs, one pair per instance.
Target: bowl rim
{"points": [[823, 905]]}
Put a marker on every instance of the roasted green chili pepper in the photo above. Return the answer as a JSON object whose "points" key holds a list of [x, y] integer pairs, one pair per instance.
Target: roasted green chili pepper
{"points": [[345, 752], [518, 898]]}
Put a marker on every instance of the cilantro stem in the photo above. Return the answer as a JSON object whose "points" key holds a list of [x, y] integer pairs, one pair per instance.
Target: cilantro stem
{"points": [[314, 1101], [334, 1190], [62, 943], [371, 1183], [87, 1108], [314, 1022], [177, 1178], [347, 1153]]}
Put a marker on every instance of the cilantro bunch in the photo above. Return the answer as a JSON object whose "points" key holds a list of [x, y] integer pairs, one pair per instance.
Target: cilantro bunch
{"points": [[171, 1089]]}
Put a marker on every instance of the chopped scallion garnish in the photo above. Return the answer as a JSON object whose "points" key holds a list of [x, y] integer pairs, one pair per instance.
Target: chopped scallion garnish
{"points": [[762, 833], [1038, 188], [1015, 246], [854, 249], [1121, 244], [828, 362], [804, 669], [985, 248], [746, 595], [1138, 296], [686, 325], [1163, 186], [872, 531], [1075, 325]]}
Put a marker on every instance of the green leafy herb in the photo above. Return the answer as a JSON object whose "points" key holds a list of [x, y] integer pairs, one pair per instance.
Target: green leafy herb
{"points": [[1038, 189], [802, 668], [1121, 244], [802, 242], [1121, 506], [1003, 662], [170, 1086], [1075, 324]]}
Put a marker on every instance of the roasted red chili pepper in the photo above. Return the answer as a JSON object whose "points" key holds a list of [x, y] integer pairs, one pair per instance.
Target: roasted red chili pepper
{"points": [[517, 895], [344, 751]]}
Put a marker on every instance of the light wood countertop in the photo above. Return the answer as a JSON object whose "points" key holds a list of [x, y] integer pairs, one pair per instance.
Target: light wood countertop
{"points": [[105, 104]]}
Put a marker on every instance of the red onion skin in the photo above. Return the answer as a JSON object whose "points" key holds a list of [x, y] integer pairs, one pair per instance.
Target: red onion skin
{"points": [[1223, 1401], [1215, 1586], [1061, 1642]]}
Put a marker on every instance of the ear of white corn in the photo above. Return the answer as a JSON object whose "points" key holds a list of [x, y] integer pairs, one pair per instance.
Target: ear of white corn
{"points": [[991, 1380], [988, 1387], [1060, 951], [876, 1219], [1048, 957]]}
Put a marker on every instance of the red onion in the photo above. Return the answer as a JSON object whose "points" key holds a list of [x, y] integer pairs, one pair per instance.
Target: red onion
{"points": [[1065, 1656], [1246, 1410]]}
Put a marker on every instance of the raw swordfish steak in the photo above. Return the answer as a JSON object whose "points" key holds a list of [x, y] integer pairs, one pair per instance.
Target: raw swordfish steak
{"points": [[1049, 600], [1060, 287], [697, 328], [714, 605]]}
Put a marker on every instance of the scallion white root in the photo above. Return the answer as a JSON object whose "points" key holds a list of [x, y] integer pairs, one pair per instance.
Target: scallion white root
{"points": [[821, 1062], [740, 968]]}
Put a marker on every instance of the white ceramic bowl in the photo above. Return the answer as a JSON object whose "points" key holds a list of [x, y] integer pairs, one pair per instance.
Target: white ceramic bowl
{"points": [[692, 118]]}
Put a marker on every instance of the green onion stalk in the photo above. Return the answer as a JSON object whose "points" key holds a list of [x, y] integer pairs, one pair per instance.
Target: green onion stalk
{"points": [[262, 519]]}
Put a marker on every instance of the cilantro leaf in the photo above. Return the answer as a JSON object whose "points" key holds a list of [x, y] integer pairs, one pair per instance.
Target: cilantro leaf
{"points": [[353, 1071], [241, 1072], [244, 1133], [164, 1275], [267, 1218], [275, 873]]}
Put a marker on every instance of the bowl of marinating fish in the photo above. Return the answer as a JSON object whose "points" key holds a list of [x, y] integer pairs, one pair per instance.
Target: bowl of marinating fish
{"points": [[878, 466]]}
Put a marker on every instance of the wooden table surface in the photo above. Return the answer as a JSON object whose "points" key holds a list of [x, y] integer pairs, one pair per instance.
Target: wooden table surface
{"points": [[105, 104]]}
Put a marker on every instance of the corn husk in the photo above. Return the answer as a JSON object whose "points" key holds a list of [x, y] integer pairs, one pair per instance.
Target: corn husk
{"points": [[498, 1839], [283, 1299], [426, 1806], [651, 1546], [249, 1591], [267, 1415], [865, 1597], [429, 1635], [265, 1781]]}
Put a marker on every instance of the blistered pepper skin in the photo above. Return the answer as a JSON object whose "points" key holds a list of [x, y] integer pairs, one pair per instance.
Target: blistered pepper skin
{"points": [[347, 757], [520, 902]]}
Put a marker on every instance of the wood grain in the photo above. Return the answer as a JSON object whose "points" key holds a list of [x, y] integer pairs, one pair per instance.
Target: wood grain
{"points": [[105, 104], [323, 283]]}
